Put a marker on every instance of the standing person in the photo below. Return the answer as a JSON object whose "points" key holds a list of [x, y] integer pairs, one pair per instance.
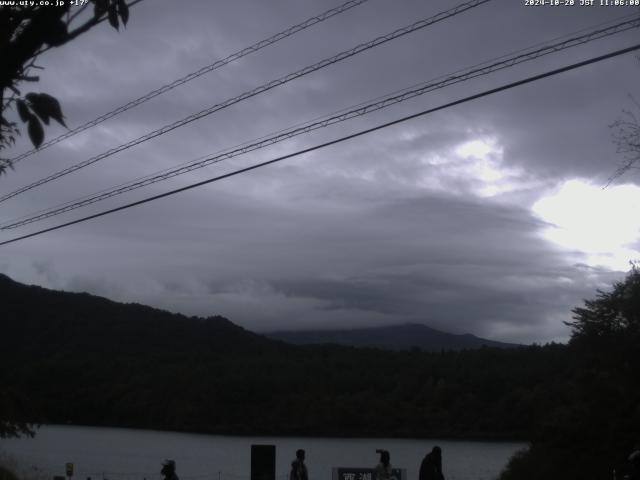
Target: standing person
{"points": [[298, 468], [431, 466], [169, 470], [383, 470]]}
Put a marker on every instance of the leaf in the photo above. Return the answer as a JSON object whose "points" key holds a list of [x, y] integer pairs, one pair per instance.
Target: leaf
{"points": [[99, 7], [123, 10], [38, 108], [55, 32], [23, 110], [113, 16], [36, 132], [4, 164], [46, 107]]}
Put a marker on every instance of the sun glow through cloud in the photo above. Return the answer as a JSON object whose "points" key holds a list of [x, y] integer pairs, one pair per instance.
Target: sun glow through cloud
{"points": [[476, 148], [482, 160], [602, 223]]}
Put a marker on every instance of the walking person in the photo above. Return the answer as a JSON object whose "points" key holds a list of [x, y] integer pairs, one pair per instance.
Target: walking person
{"points": [[383, 470], [431, 466], [298, 468], [169, 470]]}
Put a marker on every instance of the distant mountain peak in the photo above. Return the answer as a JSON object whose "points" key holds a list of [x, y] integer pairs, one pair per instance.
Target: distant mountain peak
{"points": [[404, 336]]}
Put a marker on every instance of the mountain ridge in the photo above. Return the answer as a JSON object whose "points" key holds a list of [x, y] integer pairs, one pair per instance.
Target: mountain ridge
{"points": [[391, 337], [406, 336], [73, 317]]}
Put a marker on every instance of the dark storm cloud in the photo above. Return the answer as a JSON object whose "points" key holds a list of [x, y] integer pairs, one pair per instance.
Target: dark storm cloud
{"points": [[447, 280], [420, 265]]}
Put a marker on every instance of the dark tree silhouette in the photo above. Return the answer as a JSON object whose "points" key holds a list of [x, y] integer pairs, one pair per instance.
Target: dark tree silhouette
{"points": [[613, 315], [12, 409], [592, 426], [626, 137], [25, 33]]}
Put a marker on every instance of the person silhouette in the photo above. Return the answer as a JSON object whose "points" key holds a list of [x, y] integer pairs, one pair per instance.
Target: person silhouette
{"points": [[298, 468], [169, 470], [383, 470], [431, 466]]}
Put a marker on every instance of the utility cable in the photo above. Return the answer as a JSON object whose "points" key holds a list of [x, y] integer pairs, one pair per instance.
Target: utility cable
{"points": [[193, 75], [485, 93], [357, 111], [256, 91]]}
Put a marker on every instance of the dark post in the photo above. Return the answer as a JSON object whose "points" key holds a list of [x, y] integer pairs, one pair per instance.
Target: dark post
{"points": [[263, 462]]}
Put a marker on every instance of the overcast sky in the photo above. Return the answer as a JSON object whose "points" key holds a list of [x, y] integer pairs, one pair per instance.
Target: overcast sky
{"points": [[487, 218]]}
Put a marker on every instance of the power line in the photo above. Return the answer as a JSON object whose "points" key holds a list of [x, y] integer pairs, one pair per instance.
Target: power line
{"points": [[198, 73], [256, 91], [286, 134], [508, 86], [359, 110]]}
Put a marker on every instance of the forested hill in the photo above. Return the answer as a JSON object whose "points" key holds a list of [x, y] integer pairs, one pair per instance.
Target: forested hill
{"points": [[80, 359], [47, 319], [397, 337]]}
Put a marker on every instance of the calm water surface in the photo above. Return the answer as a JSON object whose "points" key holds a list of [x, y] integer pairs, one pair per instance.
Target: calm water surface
{"points": [[123, 454]]}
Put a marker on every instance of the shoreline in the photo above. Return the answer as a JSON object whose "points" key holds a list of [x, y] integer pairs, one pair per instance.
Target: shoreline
{"points": [[485, 438]]}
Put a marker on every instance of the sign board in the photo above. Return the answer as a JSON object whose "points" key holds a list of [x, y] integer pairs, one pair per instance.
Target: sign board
{"points": [[69, 469], [355, 473]]}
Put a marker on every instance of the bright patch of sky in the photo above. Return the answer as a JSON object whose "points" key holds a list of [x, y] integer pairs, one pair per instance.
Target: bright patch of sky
{"points": [[484, 164], [602, 223], [478, 164]]}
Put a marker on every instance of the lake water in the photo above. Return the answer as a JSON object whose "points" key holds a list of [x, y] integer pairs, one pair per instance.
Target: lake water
{"points": [[123, 454]]}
